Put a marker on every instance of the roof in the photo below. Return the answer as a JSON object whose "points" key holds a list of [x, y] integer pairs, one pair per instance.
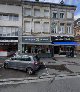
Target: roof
{"points": [[49, 3], [33, 2]]}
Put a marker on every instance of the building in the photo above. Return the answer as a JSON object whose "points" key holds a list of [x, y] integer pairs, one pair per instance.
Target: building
{"points": [[77, 32], [62, 24], [44, 24], [10, 24], [36, 27]]}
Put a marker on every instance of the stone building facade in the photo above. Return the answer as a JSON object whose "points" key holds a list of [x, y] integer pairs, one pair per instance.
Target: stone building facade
{"points": [[45, 23]]}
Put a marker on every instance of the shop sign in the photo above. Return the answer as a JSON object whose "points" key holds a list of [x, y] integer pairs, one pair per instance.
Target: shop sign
{"points": [[36, 39], [64, 38], [8, 40]]}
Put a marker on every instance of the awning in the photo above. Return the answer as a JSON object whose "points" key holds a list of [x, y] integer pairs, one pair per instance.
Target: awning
{"points": [[66, 43], [38, 43]]}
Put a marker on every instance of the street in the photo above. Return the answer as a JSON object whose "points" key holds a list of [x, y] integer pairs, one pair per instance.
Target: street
{"points": [[60, 66]]}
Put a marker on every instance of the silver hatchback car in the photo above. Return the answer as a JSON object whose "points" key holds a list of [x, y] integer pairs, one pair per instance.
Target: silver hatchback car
{"points": [[23, 62]]}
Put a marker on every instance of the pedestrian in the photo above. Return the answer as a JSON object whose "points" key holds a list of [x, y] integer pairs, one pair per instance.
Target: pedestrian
{"points": [[37, 57]]}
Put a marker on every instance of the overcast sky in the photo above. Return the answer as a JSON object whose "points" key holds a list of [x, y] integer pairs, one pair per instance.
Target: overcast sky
{"points": [[70, 2]]}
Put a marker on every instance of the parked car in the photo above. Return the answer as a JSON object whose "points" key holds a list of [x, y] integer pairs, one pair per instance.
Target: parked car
{"points": [[23, 62]]}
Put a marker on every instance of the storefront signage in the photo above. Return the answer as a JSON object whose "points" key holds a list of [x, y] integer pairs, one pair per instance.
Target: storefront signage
{"points": [[8, 40], [64, 38], [36, 39]]}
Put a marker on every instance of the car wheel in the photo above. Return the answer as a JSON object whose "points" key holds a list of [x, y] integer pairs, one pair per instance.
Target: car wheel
{"points": [[5, 65], [30, 71]]}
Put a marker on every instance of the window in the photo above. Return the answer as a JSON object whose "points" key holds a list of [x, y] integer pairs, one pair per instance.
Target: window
{"points": [[26, 59], [16, 31], [5, 17], [15, 18], [54, 27], [69, 14], [69, 31], [78, 22], [8, 31], [4, 31], [0, 16], [13, 31], [37, 12], [27, 26], [46, 27], [55, 14], [37, 27], [10, 18], [1, 31], [27, 12], [62, 28], [61, 15], [46, 13]]}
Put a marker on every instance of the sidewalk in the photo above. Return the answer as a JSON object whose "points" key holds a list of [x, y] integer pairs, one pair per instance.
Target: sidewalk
{"points": [[72, 64]]}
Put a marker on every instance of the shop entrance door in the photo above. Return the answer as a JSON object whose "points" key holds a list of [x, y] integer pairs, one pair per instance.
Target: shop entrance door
{"points": [[56, 49]]}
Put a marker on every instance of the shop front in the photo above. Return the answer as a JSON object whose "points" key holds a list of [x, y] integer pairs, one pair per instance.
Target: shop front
{"points": [[40, 45], [64, 45], [8, 46]]}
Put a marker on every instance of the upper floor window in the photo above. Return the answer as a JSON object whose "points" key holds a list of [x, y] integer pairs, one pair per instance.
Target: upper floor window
{"points": [[46, 13], [9, 17], [54, 28], [69, 14], [37, 12], [5, 17], [62, 28], [37, 26], [78, 22], [69, 31], [27, 12], [54, 14], [46, 27], [9, 31], [61, 15], [1, 31], [27, 26]]}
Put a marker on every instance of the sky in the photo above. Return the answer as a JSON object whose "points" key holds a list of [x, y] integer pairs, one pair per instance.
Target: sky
{"points": [[69, 2]]}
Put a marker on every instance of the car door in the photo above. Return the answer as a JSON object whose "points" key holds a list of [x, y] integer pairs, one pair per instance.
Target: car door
{"points": [[24, 63], [13, 63]]}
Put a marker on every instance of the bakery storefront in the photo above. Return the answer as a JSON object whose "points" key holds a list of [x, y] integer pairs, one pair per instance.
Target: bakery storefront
{"points": [[63, 45], [41, 45]]}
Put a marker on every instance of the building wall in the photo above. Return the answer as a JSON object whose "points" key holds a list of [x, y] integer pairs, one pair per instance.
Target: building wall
{"points": [[67, 20], [38, 18], [12, 9]]}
